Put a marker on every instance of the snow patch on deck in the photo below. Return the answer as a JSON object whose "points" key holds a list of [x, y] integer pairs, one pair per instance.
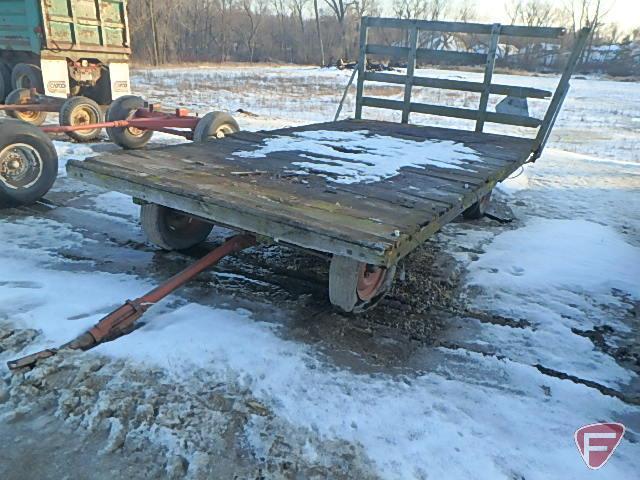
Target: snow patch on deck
{"points": [[360, 157]]}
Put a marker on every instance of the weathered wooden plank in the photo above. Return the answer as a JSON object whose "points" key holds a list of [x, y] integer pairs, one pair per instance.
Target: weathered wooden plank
{"points": [[461, 85], [319, 201], [560, 94], [451, 175], [455, 112], [274, 206], [383, 195], [468, 168], [488, 74], [362, 67], [379, 253], [490, 140], [427, 54], [320, 206], [494, 150], [464, 27], [411, 65]]}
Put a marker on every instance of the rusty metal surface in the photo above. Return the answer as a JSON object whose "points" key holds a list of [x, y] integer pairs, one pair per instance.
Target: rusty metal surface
{"points": [[144, 120]]}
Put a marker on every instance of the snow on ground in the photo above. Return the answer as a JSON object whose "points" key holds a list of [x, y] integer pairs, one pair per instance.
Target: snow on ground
{"points": [[569, 263]]}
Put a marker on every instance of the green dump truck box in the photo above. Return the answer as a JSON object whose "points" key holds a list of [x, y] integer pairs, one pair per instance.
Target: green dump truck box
{"points": [[52, 26], [82, 38]]}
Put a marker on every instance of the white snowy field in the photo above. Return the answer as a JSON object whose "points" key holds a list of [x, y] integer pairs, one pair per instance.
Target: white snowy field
{"points": [[488, 408]]}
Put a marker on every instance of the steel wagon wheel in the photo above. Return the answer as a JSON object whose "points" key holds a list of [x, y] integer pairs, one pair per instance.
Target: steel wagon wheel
{"points": [[357, 286], [172, 229], [215, 125], [81, 111], [22, 96]]}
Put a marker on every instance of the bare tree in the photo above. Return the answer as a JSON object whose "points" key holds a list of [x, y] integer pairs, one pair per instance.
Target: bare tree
{"points": [[315, 8], [466, 11], [298, 8], [154, 32], [255, 13], [364, 8], [410, 8], [298, 31], [340, 9]]}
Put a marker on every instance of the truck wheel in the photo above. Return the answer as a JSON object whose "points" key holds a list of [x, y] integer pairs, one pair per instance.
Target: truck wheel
{"points": [[22, 96], [129, 138], [171, 229], [356, 286], [478, 209], [5, 79], [81, 111], [215, 125], [28, 163], [25, 75]]}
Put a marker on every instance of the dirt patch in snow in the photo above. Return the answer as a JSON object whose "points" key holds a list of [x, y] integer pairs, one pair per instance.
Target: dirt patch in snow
{"points": [[198, 427]]}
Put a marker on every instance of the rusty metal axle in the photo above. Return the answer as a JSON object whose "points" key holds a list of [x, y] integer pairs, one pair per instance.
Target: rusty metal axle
{"points": [[121, 321]]}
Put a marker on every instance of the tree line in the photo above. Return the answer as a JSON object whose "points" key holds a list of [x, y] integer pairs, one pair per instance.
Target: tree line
{"points": [[323, 31]]}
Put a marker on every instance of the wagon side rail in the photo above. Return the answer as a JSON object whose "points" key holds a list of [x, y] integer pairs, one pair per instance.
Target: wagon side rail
{"points": [[412, 52]]}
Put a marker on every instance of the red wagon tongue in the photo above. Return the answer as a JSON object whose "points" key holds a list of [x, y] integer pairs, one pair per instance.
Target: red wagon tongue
{"points": [[121, 321]]}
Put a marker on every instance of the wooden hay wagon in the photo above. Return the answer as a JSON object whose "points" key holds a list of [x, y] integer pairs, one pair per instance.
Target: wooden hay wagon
{"points": [[364, 192]]}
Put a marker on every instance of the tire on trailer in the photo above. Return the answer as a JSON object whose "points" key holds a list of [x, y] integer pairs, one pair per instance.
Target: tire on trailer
{"points": [[81, 111], [22, 96], [356, 286], [172, 229], [478, 209], [26, 75], [127, 137], [5, 79], [215, 125], [28, 163]]}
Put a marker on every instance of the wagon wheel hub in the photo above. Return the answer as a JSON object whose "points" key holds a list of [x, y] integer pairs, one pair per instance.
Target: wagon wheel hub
{"points": [[27, 115], [223, 131], [20, 166], [84, 116], [137, 132], [370, 280]]}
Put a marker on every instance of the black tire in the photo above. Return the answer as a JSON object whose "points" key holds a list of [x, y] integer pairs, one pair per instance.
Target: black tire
{"points": [[80, 111], [28, 163], [22, 96], [5, 79], [171, 229], [215, 125], [128, 138], [26, 75], [478, 209]]}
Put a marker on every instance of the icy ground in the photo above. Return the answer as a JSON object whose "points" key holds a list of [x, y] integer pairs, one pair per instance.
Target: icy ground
{"points": [[499, 341]]}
